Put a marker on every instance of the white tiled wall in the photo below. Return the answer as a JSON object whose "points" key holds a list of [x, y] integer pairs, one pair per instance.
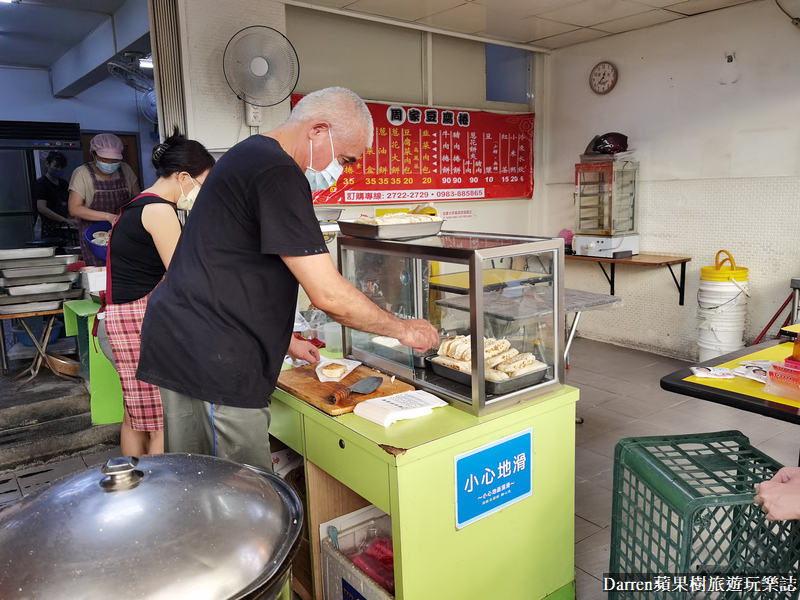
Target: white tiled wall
{"points": [[756, 219]]}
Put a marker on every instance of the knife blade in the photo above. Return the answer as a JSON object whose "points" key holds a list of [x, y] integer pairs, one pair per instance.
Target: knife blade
{"points": [[364, 386]]}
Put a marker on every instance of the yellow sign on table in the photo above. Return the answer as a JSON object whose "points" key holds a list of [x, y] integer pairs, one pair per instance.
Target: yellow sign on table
{"points": [[750, 387]]}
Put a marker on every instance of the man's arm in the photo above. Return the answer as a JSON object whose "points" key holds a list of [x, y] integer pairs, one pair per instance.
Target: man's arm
{"points": [[340, 300]]}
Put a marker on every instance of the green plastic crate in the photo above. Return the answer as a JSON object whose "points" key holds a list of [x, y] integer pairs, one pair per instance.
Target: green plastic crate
{"points": [[684, 505]]}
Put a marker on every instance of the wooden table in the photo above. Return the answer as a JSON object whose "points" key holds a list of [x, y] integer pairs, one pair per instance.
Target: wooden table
{"points": [[41, 345], [640, 260]]}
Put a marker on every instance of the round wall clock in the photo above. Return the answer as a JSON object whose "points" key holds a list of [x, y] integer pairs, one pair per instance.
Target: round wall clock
{"points": [[603, 77]]}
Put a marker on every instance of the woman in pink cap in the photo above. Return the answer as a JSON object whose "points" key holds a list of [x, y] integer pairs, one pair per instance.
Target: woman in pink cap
{"points": [[100, 188]]}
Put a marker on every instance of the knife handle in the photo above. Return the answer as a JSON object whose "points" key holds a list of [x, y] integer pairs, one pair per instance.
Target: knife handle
{"points": [[339, 395]]}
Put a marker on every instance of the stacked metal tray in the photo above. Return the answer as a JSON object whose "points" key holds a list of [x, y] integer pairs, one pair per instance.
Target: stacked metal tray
{"points": [[393, 231], [34, 279]]}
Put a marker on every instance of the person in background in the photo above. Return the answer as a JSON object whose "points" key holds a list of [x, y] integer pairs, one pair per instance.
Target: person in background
{"points": [[779, 497], [140, 249], [99, 188], [51, 192], [218, 328]]}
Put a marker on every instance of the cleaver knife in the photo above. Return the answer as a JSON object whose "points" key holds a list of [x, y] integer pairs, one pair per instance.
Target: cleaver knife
{"points": [[364, 386]]}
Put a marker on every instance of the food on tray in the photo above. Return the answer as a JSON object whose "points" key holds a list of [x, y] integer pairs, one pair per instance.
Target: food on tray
{"points": [[495, 375], [334, 369], [453, 363], [460, 347], [99, 235], [501, 360], [397, 218], [387, 342], [497, 347], [492, 362]]}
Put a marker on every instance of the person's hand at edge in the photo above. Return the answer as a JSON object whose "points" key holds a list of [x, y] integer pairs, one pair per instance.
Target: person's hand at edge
{"points": [[779, 501], [418, 334], [303, 350]]}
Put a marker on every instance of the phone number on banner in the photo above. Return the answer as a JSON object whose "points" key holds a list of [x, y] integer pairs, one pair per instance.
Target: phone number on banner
{"points": [[384, 195]]}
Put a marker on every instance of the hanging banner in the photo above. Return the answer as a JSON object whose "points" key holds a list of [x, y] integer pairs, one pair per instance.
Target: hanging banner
{"points": [[431, 154]]}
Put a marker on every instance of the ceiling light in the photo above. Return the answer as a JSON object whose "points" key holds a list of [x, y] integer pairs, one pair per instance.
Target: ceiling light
{"points": [[146, 63], [9, 1]]}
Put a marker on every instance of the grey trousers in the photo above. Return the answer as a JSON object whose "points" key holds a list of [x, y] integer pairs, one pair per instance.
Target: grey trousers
{"points": [[193, 426]]}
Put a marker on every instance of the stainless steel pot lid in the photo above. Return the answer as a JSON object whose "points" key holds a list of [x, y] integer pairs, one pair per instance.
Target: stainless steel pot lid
{"points": [[163, 527]]}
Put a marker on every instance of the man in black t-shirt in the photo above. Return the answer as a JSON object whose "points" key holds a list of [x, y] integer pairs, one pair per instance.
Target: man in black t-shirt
{"points": [[217, 329], [51, 192]]}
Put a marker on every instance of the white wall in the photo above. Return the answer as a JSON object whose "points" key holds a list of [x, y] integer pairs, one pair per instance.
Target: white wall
{"points": [[107, 106], [720, 166]]}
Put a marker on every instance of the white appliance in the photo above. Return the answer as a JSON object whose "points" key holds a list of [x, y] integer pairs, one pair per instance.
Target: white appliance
{"points": [[604, 246]]}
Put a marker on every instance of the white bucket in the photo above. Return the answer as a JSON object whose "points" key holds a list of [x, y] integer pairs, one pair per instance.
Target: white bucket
{"points": [[721, 334], [722, 310], [712, 350]]}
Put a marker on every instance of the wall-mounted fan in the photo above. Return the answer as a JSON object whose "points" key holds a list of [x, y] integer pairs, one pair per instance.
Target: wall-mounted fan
{"points": [[148, 106], [126, 68], [261, 67]]}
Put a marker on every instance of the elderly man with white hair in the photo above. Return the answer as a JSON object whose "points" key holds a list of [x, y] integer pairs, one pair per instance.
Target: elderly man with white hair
{"points": [[218, 327]]}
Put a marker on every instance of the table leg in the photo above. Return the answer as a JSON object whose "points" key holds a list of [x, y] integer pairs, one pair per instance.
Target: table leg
{"points": [[683, 283], [3, 347], [613, 271], [573, 328], [41, 354]]}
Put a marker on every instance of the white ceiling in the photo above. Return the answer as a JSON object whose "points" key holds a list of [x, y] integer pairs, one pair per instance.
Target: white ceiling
{"points": [[544, 23], [36, 33]]}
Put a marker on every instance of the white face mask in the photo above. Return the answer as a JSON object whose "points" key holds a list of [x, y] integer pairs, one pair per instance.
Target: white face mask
{"points": [[322, 180], [186, 201], [107, 168]]}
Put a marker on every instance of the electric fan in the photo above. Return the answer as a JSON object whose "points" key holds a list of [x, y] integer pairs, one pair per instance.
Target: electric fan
{"points": [[261, 67], [126, 68]]}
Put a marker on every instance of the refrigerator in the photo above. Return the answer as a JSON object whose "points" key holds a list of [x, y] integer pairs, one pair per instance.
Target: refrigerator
{"points": [[23, 148]]}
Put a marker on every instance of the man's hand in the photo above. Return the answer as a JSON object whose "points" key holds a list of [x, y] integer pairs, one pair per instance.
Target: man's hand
{"points": [[788, 475], [418, 334], [779, 500], [303, 350]]}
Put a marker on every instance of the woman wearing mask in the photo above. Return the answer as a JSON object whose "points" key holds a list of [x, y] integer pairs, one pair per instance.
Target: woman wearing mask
{"points": [[99, 188], [140, 249], [51, 192]]}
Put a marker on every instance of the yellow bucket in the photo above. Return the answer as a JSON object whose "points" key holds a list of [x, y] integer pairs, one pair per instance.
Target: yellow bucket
{"points": [[718, 272]]}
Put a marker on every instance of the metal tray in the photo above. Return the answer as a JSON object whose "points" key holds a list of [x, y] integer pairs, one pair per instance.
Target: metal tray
{"points": [[64, 259], [328, 214], [68, 276], [398, 356], [34, 271], [50, 296], [39, 288], [26, 253], [396, 231], [493, 388], [29, 307]]}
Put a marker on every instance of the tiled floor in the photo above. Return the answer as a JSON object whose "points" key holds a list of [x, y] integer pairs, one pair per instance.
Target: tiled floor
{"points": [[621, 397]]}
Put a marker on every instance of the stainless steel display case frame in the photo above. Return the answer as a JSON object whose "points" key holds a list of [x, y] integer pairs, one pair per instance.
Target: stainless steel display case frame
{"points": [[436, 248]]}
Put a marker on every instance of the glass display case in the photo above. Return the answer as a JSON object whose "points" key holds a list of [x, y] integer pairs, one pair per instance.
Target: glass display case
{"points": [[605, 198], [496, 300]]}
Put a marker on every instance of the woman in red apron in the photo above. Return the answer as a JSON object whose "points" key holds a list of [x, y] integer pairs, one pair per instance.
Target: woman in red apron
{"points": [[100, 188], [141, 245]]}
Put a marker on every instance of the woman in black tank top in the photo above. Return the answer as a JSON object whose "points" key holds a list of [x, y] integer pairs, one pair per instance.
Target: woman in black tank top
{"points": [[140, 249]]}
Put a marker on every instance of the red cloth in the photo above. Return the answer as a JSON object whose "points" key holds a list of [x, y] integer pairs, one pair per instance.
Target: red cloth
{"points": [[377, 561], [314, 341], [142, 400]]}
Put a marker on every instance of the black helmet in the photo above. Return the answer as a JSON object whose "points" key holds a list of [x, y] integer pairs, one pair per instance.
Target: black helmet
{"points": [[610, 143]]}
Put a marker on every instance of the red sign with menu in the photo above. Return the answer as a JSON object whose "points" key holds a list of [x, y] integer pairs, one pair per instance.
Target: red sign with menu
{"points": [[431, 154]]}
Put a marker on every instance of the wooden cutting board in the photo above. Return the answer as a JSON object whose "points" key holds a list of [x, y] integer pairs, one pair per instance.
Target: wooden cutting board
{"points": [[303, 383]]}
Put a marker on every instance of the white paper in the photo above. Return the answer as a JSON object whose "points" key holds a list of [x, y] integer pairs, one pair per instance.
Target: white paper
{"points": [[350, 364], [406, 405]]}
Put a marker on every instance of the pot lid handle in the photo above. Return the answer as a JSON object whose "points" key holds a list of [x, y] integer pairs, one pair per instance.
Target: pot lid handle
{"points": [[121, 474]]}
